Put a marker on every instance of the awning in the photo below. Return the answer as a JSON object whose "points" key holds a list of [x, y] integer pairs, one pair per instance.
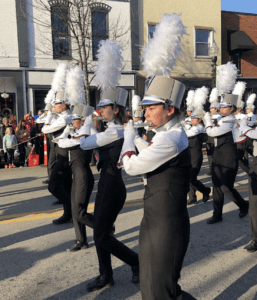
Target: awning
{"points": [[239, 40]]}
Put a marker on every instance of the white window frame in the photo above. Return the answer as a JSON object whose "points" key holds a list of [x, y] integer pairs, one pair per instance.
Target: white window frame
{"points": [[210, 41]]}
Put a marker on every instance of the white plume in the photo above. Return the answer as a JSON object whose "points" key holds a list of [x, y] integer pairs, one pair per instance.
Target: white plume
{"points": [[136, 100], [50, 96], [226, 77], [239, 89], [110, 62], [160, 55], [200, 97], [190, 97], [75, 86], [214, 95], [251, 99], [59, 79]]}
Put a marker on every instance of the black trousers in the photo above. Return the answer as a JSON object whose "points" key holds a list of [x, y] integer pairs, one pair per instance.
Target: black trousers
{"points": [[223, 179], [209, 150], [253, 199], [109, 201], [242, 161], [163, 240], [51, 156], [82, 186], [61, 180], [9, 156], [195, 184], [22, 150]]}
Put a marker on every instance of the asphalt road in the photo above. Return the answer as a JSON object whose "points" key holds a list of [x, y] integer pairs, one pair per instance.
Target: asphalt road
{"points": [[35, 263]]}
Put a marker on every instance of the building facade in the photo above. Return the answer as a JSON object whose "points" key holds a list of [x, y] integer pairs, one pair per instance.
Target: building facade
{"points": [[203, 21], [239, 39], [35, 41]]}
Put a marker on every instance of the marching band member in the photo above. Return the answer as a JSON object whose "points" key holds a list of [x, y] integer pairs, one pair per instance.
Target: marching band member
{"points": [[51, 146], [61, 178], [240, 141], [215, 116], [83, 179], [165, 161], [250, 109], [111, 194], [225, 163], [196, 137], [252, 134]]}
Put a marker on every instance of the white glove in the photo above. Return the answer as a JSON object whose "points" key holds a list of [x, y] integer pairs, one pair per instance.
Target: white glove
{"points": [[88, 124], [207, 120], [243, 127], [64, 135], [129, 137]]}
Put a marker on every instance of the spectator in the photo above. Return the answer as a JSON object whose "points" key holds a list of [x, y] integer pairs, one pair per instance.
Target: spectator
{"points": [[39, 113], [22, 134], [38, 142], [13, 121], [9, 146], [29, 121]]}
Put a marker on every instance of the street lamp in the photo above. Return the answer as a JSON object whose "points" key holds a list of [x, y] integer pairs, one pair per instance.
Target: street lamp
{"points": [[213, 52]]}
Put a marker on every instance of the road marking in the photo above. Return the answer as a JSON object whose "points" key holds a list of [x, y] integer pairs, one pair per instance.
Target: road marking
{"points": [[56, 213]]}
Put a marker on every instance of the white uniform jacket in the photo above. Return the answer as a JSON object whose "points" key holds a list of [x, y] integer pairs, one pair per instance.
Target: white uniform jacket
{"points": [[62, 120], [169, 141]]}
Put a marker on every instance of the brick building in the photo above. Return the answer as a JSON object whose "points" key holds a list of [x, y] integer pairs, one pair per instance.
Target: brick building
{"points": [[239, 44]]}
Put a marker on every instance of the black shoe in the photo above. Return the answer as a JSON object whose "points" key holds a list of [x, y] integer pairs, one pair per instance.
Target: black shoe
{"points": [[135, 274], [63, 219], [208, 174], [192, 201], [57, 202], [213, 220], [45, 181], [100, 282], [251, 247], [78, 246], [243, 212], [206, 195]]}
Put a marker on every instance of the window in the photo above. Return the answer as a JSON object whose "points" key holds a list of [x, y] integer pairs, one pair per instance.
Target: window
{"points": [[99, 28], [203, 40], [151, 30], [60, 32], [236, 59]]}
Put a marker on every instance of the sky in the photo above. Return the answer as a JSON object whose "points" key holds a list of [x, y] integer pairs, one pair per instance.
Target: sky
{"points": [[246, 6]]}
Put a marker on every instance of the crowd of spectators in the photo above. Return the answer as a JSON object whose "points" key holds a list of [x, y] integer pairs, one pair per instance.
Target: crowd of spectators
{"points": [[17, 141]]}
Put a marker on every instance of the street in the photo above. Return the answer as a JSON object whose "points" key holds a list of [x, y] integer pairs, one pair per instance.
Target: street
{"points": [[35, 263]]}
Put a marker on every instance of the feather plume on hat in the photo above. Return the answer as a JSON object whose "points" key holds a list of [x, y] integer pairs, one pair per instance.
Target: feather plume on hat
{"points": [[226, 78], [49, 97], [59, 80], [75, 86], [136, 100], [200, 97], [160, 55], [214, 95], [109, 66], [190, 98], [251, 99], [239, 90]]}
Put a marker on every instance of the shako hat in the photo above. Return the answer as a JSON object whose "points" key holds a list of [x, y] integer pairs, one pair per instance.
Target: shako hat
{"points": [[116, 96], [164, 90]]}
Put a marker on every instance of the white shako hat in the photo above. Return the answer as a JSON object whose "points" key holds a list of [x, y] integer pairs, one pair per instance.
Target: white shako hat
{"points": [[77, 112], [60, 97], [116, 96], [87, 111], [250, 102], [164, 90], [197, 113], [228, 100]]}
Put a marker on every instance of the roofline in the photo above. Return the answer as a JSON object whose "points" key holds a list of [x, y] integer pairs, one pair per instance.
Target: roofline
{"points": [[237, 12]]}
